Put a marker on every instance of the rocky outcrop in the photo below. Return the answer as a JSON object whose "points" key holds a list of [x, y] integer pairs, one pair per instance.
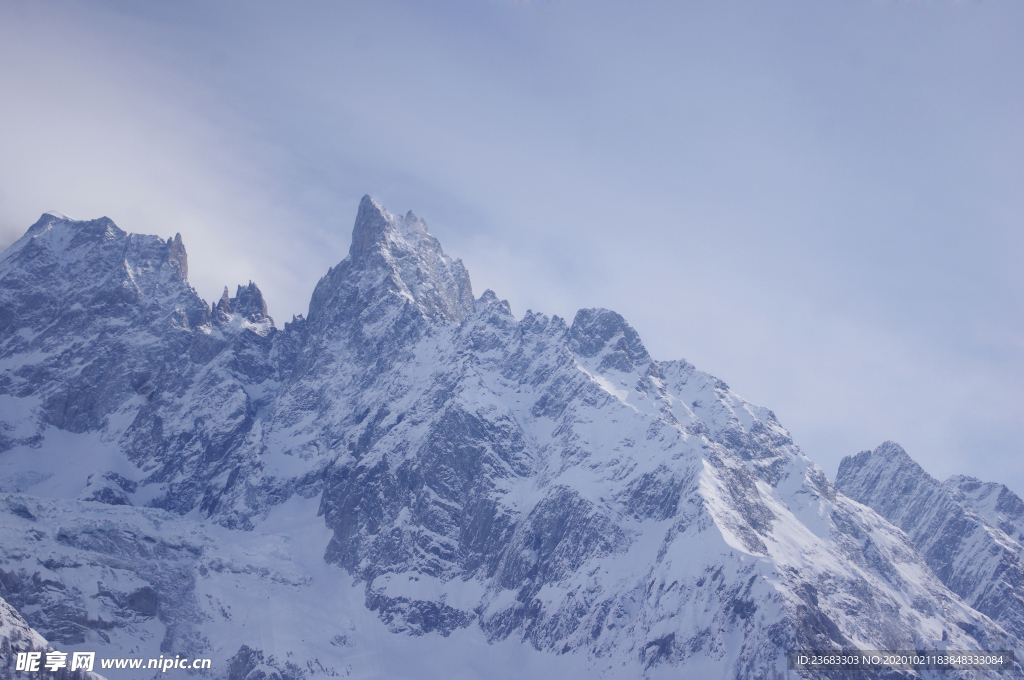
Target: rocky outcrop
{"points": [[968, 532], [516, 482]]}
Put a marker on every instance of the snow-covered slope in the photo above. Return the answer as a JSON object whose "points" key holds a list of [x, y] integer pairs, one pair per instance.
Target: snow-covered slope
{"points": [[101, 336], [969, 532], [995, 503], [17, 636], [412, 480]]}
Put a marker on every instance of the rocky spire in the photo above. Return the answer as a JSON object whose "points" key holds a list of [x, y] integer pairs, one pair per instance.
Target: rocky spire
{"points": [[393, 260], [372, 223], [221, 311], [225, 302], [249, 302], [177, 257]]}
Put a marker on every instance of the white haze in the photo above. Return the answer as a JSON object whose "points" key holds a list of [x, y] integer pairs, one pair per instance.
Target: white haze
{"points": [[818, 202]]}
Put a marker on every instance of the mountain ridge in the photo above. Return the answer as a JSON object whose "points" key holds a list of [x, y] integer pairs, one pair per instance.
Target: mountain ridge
{"points": [[974, 547], [472, 473]]}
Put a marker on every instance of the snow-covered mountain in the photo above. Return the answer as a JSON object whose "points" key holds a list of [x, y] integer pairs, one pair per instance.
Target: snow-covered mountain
{"points": [[411, 482], [17, 636], [971, 533]]}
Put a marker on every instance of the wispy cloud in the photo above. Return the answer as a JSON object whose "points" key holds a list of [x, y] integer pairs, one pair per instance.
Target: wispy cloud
{"points": [[818, 202]]}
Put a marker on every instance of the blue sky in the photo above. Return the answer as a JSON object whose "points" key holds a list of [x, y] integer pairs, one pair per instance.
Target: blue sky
{"points": [[819, 202]]}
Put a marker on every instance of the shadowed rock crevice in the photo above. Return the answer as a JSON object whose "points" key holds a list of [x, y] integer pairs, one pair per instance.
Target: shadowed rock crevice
{"points": [[524, 479]]}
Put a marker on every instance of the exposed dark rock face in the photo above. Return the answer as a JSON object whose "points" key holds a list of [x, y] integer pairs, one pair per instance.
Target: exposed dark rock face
{"points": [[969, 532], [17, 636], [523, 479]]}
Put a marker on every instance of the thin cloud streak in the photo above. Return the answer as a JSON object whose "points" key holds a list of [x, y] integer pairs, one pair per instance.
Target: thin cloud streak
{"points": [[817, 202]]}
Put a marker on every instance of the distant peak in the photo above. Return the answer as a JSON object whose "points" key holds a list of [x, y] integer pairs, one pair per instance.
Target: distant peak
{"points": [[595, 331], [60, 231], [247, 303], [890, 448], [177, 257], [404, 261], [374, 223], [223, 305], [489, 300]]}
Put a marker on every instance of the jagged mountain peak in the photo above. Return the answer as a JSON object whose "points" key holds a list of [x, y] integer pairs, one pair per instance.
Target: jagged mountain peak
{"points": [[392, 261], [880, 461], [602, 331], [880, 471], [57, 243], [490, 300], [999, 505], [177, 256], [101, 226], [969, 532], [478, 478], [248, 303], [377, 227], [64, 269], [372, 223], [891, 448], [58, 234]]}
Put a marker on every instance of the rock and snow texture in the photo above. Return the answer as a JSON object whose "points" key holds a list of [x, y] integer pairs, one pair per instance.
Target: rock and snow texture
{"points": [[102, 337], [411, 482], [971, 533], [17, 636]]}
